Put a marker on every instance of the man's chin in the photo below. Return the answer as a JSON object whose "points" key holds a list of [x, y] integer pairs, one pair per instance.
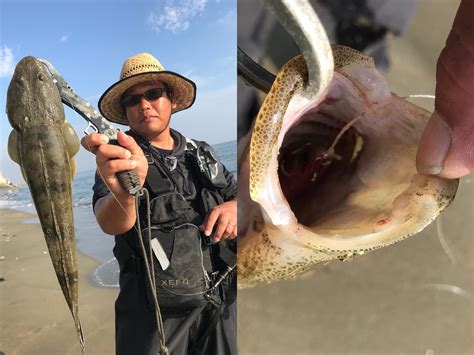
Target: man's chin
{"points": [[148, 131]]}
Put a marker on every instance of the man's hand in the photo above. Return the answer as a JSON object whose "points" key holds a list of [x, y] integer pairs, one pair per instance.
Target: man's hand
{"points": [[112, 159], [447, 146], [224, 219]]}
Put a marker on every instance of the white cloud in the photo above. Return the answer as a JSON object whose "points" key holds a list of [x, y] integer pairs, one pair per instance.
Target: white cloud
{"points": [[7, 60], [229, 18], [64, 38], [176, 15]]}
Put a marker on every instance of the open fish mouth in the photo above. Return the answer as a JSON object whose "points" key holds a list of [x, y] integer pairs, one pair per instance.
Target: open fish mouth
{"points": [[333, 174], [315, 155], [348, 165]]}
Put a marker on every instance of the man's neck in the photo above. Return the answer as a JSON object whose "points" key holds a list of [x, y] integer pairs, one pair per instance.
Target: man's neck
{"points": [[163, 141]]}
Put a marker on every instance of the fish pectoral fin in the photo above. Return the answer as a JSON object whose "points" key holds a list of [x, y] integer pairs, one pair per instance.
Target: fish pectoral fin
{"points": [[73, 166], [70, 138], [14, 146], [72, 144], [14, 150]]}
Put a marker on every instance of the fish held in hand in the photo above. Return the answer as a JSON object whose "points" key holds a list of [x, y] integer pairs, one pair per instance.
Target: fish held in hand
{"points": [[331, 175], [43, 144]]}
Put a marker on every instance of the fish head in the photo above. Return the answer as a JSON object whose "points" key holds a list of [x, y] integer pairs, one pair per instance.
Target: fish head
{"points": [[332, 173], [32, 97]]}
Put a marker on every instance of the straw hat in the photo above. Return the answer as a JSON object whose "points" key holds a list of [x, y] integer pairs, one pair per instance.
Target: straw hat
{"points": [[138, 69]]}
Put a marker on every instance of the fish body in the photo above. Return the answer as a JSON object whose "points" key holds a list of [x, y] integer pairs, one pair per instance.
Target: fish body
{"points": [[331, 175], [43, 144]]}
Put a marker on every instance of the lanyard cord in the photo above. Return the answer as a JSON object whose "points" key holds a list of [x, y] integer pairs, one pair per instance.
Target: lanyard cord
{"points": [[150, 270]]}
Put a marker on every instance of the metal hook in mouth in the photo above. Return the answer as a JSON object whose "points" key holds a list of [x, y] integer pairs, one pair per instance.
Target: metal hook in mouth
{"points": [[304, 26]]}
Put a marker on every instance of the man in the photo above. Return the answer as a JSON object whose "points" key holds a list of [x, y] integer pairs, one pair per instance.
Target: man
{"points": [[189, 188]]}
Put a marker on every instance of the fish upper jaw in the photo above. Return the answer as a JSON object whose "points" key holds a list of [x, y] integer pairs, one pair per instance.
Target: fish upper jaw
{"points": [[271, 199]]}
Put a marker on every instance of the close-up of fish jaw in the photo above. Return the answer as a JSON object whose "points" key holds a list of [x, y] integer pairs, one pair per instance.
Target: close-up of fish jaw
{"points": [[381, 199], [271, 199], [340, 178]]}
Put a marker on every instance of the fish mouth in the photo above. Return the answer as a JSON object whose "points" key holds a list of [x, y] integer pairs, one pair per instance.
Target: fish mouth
{"points": [[332, 175], [317, 160], [346, 169]]}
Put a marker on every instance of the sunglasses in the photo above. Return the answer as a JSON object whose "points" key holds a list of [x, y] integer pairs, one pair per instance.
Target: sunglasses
{"points": [[150, 95]]}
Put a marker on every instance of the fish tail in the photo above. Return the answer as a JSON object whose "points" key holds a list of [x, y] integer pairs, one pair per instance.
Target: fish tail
{"points": [[80, 334]]}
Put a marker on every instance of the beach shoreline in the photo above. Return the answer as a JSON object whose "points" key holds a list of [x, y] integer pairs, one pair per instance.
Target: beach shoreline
{"points": [[34, 315]]}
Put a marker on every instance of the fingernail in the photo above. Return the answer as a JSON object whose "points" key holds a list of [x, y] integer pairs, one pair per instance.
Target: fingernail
{"points": [[128, 154], [104, 138], [207, 233], [434, 146], [133, 163]]}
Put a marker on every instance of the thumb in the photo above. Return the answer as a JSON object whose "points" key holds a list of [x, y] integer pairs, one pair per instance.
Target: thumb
{"points": [[446, 148]]}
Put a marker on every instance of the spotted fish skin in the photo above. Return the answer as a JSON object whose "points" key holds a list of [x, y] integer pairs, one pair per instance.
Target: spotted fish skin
{"points": [[43, 144], [266, 130]]}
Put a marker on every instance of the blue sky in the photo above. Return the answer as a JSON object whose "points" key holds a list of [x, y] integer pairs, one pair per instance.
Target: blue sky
{"points": [[88, 41]]}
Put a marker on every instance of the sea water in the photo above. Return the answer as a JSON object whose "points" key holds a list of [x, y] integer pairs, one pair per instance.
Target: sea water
{"points": [[90, 239]]}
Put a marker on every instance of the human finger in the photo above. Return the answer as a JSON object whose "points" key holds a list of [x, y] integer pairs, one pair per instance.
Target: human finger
{"points": [[92, 141], [446, 148], [210, 221], [229, 231], [137, 154], [107, 152], [221, 229], [129, 143]]}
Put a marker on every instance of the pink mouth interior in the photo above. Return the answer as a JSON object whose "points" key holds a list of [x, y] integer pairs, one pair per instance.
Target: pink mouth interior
{"points": [[309, 178]]}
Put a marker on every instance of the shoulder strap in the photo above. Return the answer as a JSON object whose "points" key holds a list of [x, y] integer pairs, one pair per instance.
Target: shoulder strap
{"points": [[190, 144]]}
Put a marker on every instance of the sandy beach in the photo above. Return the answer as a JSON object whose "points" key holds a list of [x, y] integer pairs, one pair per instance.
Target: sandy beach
{"points": [[34, 317]]}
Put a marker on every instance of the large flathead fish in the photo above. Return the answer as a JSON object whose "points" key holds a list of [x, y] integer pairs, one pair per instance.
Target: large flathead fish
{"points": [[43, 144]]}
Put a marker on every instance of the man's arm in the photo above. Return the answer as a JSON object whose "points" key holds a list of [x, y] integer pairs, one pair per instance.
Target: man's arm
{"points": [[115, 215], [115, 211], [230, 191], [224, 216]]}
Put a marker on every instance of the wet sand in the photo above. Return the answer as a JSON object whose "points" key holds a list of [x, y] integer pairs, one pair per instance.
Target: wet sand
{"points": [[34, 316], [415, 297]]}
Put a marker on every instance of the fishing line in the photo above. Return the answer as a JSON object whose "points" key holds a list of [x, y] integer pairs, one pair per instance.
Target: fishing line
{"points": [[419, 96], [331, 153], [443, 242], [149, 266]]}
